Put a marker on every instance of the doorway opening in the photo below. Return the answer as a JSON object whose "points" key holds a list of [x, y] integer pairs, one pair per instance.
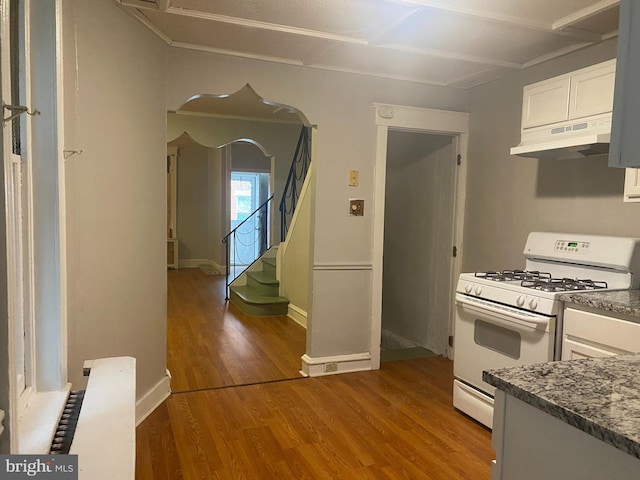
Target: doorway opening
{"points": [[417, 244], [227, 166], [418, 235]]}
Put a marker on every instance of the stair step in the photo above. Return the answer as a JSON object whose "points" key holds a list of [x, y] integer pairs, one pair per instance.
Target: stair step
{"points": [[252, 302], [264, 278], [264, 283], [270, 261], [269, 266]]}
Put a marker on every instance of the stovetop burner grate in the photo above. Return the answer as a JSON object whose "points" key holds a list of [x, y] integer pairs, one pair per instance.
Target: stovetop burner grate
{"points": [[509, 275], [563, 284]]}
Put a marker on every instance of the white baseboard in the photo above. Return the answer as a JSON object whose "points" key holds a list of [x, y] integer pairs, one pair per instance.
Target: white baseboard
{"points": [[153, 398], [297, 315], [320, 366], [196, 262]]}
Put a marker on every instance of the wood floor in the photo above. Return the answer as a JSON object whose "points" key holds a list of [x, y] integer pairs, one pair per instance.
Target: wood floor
{"points": [[211, 344], [394, 423]]}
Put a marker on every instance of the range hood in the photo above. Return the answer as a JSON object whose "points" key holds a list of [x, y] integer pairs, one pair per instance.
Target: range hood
{"points": [[587, 137]]}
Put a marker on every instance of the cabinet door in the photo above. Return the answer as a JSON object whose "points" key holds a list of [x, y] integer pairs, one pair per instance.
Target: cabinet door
{"points": [[572, 350], [592, 91], [625, 141], [545, 102], [632, 185]]}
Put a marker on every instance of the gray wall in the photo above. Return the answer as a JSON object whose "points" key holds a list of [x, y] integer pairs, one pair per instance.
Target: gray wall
{"points": [[115, 111], [340, 105], [417, 238], [193, 202], [508, 197], [276, 139]]}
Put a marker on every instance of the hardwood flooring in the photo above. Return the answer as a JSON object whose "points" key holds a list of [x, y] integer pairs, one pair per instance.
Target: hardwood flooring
{"points": [[224, 422], [394, 423], [211, 344]]}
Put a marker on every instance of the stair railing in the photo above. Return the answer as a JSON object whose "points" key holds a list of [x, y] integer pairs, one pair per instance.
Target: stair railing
{"points": [[297, 173], [257, 233]]}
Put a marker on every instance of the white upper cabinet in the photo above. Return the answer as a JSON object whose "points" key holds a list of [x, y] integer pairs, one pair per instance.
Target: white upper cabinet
{"points": [[545, 102], [575, 95], [591, 91]]}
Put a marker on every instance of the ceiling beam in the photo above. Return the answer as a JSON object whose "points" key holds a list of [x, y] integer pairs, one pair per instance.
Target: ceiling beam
{"points": [[585, 13], [497, 18], [453, 56], [245, 22]]}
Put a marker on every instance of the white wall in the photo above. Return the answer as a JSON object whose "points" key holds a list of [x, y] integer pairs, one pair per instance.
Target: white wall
{"points": [[115, 112], [4, 319], [418, 238], [341, 107], [508, 197]]}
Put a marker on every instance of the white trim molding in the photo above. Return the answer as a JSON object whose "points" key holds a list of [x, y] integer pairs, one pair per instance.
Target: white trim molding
{"points": [[320, 366], [425, 120], [196, 262], [151, 400], [342, 266], [298, 315]]}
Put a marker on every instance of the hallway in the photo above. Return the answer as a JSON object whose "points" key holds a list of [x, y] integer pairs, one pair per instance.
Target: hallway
{"points": [[211, 344]]}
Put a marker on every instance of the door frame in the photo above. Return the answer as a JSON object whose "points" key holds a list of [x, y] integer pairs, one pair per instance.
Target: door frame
{"points": [[429, 121]]}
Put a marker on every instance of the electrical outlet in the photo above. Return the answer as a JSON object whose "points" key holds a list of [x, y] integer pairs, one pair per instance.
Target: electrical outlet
{"points": [[356, 208], [330, 367]]}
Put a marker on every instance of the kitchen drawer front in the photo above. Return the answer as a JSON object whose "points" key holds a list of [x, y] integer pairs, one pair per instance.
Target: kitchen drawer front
{"points": [[604, 332], [572, 350]]}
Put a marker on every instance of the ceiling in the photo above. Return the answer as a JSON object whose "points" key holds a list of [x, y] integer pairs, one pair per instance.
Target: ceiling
{"points": [[455, 43]]}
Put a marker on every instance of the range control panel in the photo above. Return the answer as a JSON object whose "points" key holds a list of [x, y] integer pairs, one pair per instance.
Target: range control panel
{"points": [[572, 246]]}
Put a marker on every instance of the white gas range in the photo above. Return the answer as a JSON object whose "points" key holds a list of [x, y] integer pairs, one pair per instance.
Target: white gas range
{"points": [[514, 317]]}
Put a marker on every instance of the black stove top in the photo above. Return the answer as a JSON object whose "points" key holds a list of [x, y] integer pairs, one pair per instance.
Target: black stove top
{"points": [[543, 281]]}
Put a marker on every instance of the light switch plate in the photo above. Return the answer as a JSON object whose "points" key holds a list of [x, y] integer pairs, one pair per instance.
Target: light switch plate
{"points": [[353, 178]]}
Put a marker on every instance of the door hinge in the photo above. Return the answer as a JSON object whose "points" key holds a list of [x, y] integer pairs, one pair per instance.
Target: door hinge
{"points": [[459, 159], [454, 253], [451, 341]]}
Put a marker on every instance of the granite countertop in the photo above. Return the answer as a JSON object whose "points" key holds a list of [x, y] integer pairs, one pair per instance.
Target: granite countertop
{"points": [[619, 301], [600, 396]]}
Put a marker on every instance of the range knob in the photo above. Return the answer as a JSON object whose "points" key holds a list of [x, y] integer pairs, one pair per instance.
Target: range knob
{"points": [[467, 288], [520, 300], [533, 303], [478, 289]]}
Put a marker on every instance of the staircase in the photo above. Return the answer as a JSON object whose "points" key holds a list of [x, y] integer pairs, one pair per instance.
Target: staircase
{"points": [[256, 292], [259, 297]]}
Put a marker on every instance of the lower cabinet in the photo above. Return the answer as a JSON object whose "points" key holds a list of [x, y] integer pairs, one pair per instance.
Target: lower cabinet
{"points": [[587, 335], [532, 445]]}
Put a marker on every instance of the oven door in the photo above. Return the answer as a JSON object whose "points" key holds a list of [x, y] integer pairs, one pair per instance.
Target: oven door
{"points": [[490, 335]]}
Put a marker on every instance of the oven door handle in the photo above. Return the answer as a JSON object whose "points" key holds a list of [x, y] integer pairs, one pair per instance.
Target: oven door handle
{"points": [[532, 322]]}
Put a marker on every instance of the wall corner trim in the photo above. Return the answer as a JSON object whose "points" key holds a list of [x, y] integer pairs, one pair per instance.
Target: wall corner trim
{"points": [[320, 366], [153, 398]]}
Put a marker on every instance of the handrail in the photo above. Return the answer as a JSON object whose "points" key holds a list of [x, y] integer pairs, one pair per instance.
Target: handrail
{"points": [[302, 158], [262, 236]]}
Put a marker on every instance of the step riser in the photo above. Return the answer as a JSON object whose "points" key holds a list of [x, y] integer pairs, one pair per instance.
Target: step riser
{"points": [[268, 290], [257, 310]]}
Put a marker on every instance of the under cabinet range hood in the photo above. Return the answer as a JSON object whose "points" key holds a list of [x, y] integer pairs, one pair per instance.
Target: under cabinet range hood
{"points": [[582, 138], [568, 116]]}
